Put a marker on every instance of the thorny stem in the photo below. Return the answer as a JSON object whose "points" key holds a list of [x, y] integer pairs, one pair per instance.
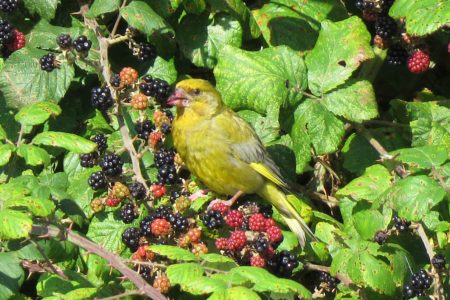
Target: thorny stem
{"points": [[49, 262], [163, 266], [113, 259], [344, 279]]}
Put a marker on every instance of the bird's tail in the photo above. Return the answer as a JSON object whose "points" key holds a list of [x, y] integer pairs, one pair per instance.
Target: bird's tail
{"points": [[290, 215]]}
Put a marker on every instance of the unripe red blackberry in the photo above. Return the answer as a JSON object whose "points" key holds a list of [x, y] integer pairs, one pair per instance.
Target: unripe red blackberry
{"points": [[274, 234], [194, 235], [221, 207], [111, 201], [128, 76], [418, 62], [18, 41], [139, 101], [257, 261], [221, 244], [234, 218], [162, 283], [237, 240], [158, 190], [257, 222], [161, 227]]}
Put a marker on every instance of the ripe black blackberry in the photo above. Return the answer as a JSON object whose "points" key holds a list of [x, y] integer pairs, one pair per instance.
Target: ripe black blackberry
{"points": [[438, 261], [8, 5], [155, 87], [97, 180], [64, 41], [421, 280], [364, 5], [102, 142], [115, 80], [166, 128], [145, 225], [6, 32], [146, 272], [283, 263], [48, 62], [408, 292], [174, 195], [163, 212], [167, 174], [396, 55], [328, 282], [380, 237], [400, 224], [164, 157], [266, 210], [212, 219], [101, 98], [179, 223], [146, 52], [385, 26], [386, 5], [82, 44], [137, 190], [261, 244], [88, 160], [130, 237], [111, 164], [128, 213], [144, 129]]}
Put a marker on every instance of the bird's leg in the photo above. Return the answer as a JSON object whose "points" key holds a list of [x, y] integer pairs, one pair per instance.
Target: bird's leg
{"points": [[198, 194], [229, 202]]}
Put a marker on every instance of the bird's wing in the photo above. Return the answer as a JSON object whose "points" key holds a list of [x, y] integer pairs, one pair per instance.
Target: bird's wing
{"points": [[246, 146]]}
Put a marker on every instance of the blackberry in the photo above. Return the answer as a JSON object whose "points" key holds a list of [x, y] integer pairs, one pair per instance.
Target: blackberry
{"points": [[82, 44], [155, 87], [145, 225], [169, 114], [130, 237], [328, 282], [261, 244], [111, 164], [408, 292], [128, 213], [386, 5], [8, 5], [144, 129], [174, 195], [166, 128], [421, 280], [283, 263], [115, 80], [48, 62], [380, 237], [97, 180], [138, 191], [164, 212], [164, 157], [400, 224], [396, 55], [64, 41], [212, 219], [179, 223], [385, 26], [101, 141], [6, 32], [88, 160], [266, 210], [146, 52], [101, 98], [167, 174], [145, 272], [438, 261], [364, 5]]}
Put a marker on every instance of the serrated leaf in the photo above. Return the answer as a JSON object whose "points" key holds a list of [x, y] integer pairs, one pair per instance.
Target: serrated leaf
{"points": [[68, 141], [204, 285], [12, 275], [424, 157], [141, 16], [234, 293], [54, 184], [14, 224], [100, 7], [174, 253], [183, 274], [301, 145], [37, 206], [6, 151], [422, 16], [106, 231], [266, 128], [340, 49], [34, 156], [368, 222], [43, 35], [37, 113], [201, 38], [163, 69], [217, 261], [44, 8], [23, 82]]}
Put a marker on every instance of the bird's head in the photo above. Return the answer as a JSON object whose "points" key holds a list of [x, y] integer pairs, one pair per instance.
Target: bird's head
{"points": [[197, 95]]}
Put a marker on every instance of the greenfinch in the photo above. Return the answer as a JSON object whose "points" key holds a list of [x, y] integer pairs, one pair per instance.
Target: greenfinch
{"points": [[224, 152]]}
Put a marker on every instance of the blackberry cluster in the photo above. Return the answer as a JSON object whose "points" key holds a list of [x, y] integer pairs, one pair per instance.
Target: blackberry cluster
{"points": [[165, 163], [111, 164], [283, 263], [144, 129], [130, 237], [213, 219], [97, 180], [385, 26], [88, 160], [138, 191], [8, 5], [128, 213], [82, 44], [155, 87], [115, 80], [328, 282], [179, 223], [101, 141], [145, 272], [163, 157], [146, 52], [101, 98], [400, 224], [64, 41], [48, 62], [438, 261], [396, 55], [420, 282], [6, 33]]}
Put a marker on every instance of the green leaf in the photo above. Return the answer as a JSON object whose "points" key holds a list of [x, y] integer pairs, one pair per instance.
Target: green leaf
{"points": [[414, 196], [13, 189], [174, 253], [141, 16], [34, 156], [234, 293], [422, 16], [204, 285], [201, 38], [37, 113], [289, 242], [14, 224], [100, 7], [340, 49], [375, 180], [163, 69], [194, 6], [217, 261], [266, 128], [12, 275], [6, 151], [368, 222], [37, 206], [54, 184], [301, 145], [43, 35], [260, 81], [3, 134], [106, 231], [44, 8], [68, 141], [23, 82], [183, 274], [424, 157]]}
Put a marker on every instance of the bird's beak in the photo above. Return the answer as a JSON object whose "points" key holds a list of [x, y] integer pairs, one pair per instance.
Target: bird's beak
{"points": [[178, 98]]}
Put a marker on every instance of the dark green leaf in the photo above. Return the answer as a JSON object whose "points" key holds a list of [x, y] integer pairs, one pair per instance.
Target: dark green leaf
{"points": [[100, 7], [424, 157], [45, 8], [68, 141], [237, 292], [163, 69], [11, 275], [107, 231]]}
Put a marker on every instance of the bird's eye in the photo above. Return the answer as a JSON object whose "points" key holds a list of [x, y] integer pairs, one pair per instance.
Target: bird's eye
{"points": [[196, 92]]}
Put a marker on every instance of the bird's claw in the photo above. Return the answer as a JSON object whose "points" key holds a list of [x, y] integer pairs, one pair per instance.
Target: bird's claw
{"points": [[198, 194]]}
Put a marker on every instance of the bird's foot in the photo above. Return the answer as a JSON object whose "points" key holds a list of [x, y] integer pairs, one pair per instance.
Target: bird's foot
{"points": [[227, 203], [198, 194]]}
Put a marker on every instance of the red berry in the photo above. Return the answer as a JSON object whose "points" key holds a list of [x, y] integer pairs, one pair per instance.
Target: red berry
{"points": [[161, 227], [257, 222], [158, 190], [237, 240], [144, 253], [221, 244], [139, 101], [162, 283], [257, 261], [274, 234], [199, 248], [128, 76], [220, 207], [448, 48], [112, 202], [154, 139], [18, 42], [270, 252], [418, 62], [270, 222], [194, 235], [234, 218]]}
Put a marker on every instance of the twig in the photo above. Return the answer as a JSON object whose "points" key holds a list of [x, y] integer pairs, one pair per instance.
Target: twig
{"points": [[163, 266], [120, 296], [54, 269], [385, 123], [19, 138], [441, 180], [113, 259], [119, 39], [119, 17], [344, 279]]}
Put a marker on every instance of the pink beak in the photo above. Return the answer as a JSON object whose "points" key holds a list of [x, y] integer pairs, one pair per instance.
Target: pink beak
{"points": [[178, 98]]}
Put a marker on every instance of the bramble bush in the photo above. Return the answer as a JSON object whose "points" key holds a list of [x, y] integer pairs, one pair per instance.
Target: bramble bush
{"points": [[351, 98]]}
